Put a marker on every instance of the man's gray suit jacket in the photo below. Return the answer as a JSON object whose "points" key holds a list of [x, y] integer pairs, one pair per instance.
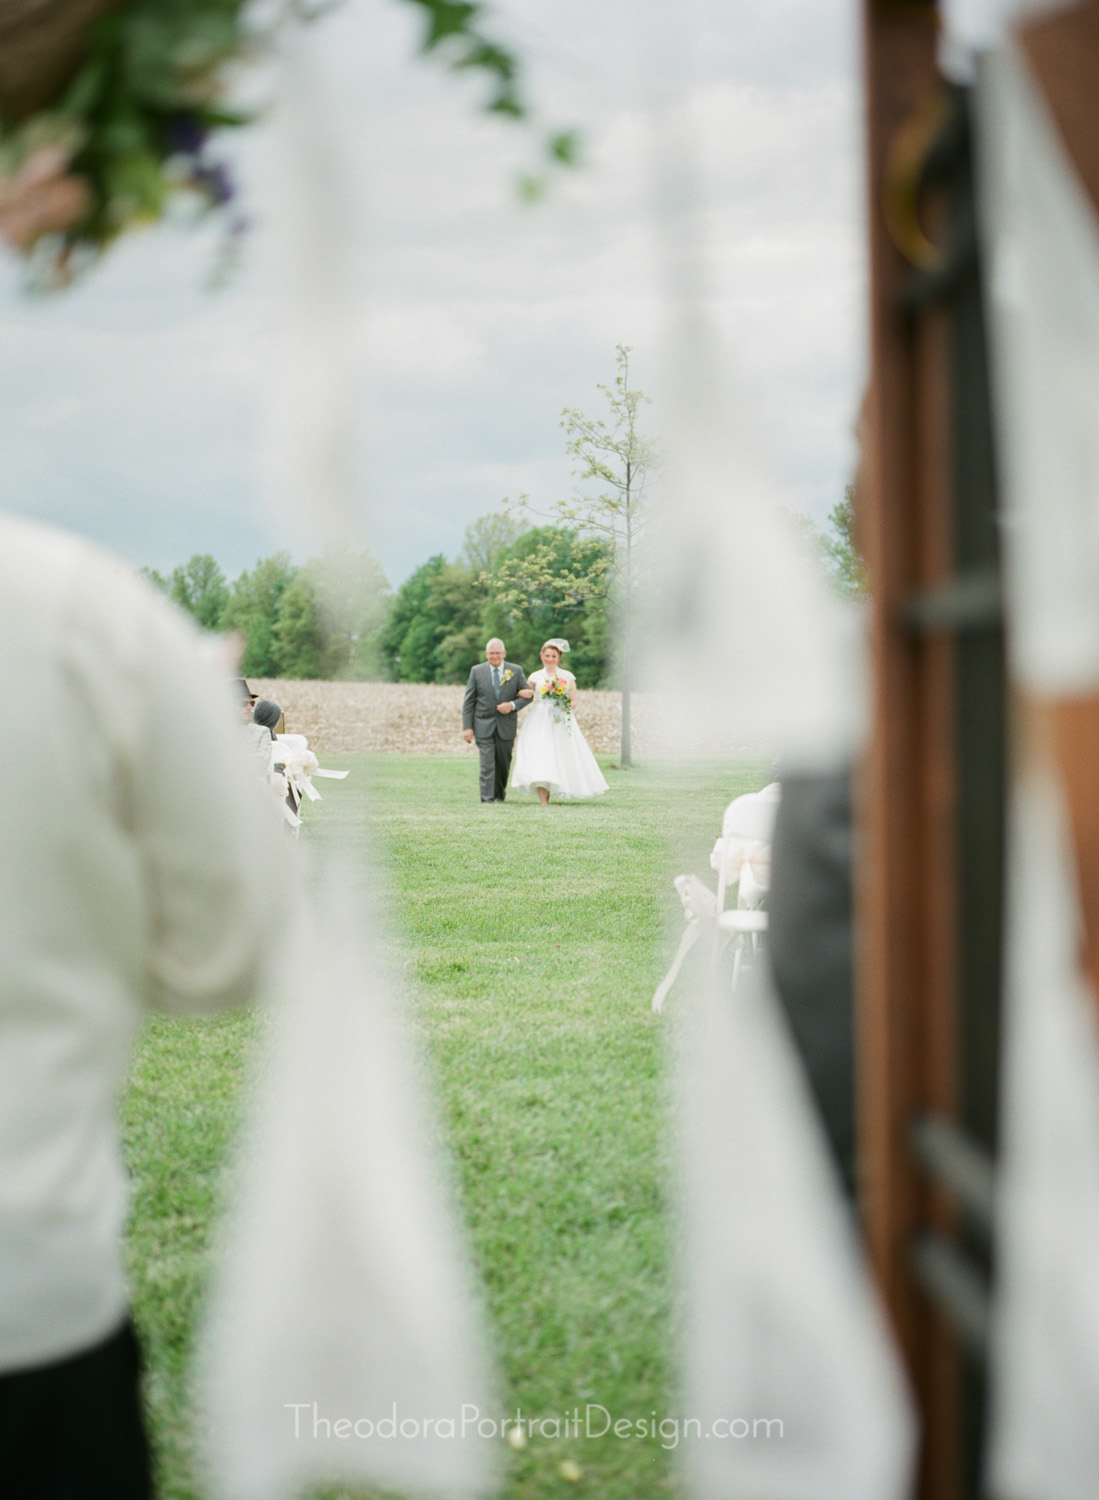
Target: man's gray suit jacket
{"points": [[479, 711]]}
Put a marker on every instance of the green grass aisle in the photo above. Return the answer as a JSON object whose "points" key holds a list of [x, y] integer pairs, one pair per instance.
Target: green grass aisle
{"points": [[532, 940]]}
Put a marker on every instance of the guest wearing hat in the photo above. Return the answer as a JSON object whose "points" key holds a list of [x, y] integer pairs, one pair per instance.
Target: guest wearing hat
{"points": [[246, 698], [266, 716]]}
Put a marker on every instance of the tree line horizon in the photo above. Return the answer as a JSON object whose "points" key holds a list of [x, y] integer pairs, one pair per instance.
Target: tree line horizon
{"points": [[336, 617]]}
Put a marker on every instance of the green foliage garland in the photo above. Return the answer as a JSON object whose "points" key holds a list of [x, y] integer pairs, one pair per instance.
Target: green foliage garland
{"points": [[132, 130]]}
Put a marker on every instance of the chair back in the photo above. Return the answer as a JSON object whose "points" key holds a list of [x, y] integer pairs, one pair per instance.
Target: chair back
{"points": [[752, 816], [742, 855]]}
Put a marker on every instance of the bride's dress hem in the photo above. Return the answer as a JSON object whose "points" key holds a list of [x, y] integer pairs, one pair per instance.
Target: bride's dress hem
{"points": [[556, 793]]}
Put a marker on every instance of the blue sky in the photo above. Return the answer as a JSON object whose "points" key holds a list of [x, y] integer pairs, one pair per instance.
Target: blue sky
{"points": [[136, 408]]}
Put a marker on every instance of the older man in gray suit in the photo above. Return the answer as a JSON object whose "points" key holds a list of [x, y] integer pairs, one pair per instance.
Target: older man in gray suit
{"points": [[496, 691]]}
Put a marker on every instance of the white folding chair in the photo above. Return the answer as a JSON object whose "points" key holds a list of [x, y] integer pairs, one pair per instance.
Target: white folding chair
{"points": [[742, 859], [699, 910]]}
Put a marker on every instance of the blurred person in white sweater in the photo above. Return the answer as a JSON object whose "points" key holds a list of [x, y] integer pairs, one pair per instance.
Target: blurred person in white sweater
{"points": [[134, 875]]}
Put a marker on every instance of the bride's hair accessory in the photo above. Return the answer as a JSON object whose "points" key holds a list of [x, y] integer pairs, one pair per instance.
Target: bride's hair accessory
{"points": [[561, 645]]}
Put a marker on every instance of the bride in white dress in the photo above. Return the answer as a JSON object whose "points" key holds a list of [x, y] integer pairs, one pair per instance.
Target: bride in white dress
{"points": [[553, 757]]}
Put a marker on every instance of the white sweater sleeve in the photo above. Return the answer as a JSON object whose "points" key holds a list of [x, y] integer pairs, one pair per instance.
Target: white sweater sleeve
{"points": [[208, 848]]}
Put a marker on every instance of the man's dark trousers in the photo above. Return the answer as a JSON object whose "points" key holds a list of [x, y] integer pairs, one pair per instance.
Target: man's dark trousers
{"points": [[495, 755]]}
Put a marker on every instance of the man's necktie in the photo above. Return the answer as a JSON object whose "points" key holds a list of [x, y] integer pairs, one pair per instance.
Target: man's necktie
{"points": [[496, 682]]}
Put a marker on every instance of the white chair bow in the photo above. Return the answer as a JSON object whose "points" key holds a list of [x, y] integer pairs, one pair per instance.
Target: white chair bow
{"points": [[300, 766]]}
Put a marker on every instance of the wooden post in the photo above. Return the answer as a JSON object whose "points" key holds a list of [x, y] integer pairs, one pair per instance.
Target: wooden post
{"points": [[906, 897]]}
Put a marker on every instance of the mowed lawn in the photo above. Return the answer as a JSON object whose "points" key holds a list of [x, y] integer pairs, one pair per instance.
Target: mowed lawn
{"points": [[529, 942]]}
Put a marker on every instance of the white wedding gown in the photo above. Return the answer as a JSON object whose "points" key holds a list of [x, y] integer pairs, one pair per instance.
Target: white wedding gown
{"points": [[552, 751]]}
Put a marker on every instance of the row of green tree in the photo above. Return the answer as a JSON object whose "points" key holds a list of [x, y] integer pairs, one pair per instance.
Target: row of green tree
{"points": [[336, 616], [321, 619]]}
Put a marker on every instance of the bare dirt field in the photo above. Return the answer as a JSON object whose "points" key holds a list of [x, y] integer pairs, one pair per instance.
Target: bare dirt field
{"points": [[424, 718]]}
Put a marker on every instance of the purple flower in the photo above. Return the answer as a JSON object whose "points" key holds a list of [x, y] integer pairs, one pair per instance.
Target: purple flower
{"points": [[186, 137], [214, 180]]}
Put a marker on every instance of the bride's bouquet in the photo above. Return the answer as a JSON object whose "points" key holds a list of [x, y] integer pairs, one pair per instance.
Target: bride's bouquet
{"points": [[555, 691]]}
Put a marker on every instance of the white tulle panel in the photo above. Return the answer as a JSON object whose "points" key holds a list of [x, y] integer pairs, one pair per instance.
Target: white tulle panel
{"points": [[749, 642], [309, 195], [1042, 241], [341, 1340], [790, 1372], [969, 28], [1045, 1439], [792, 1386]]}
